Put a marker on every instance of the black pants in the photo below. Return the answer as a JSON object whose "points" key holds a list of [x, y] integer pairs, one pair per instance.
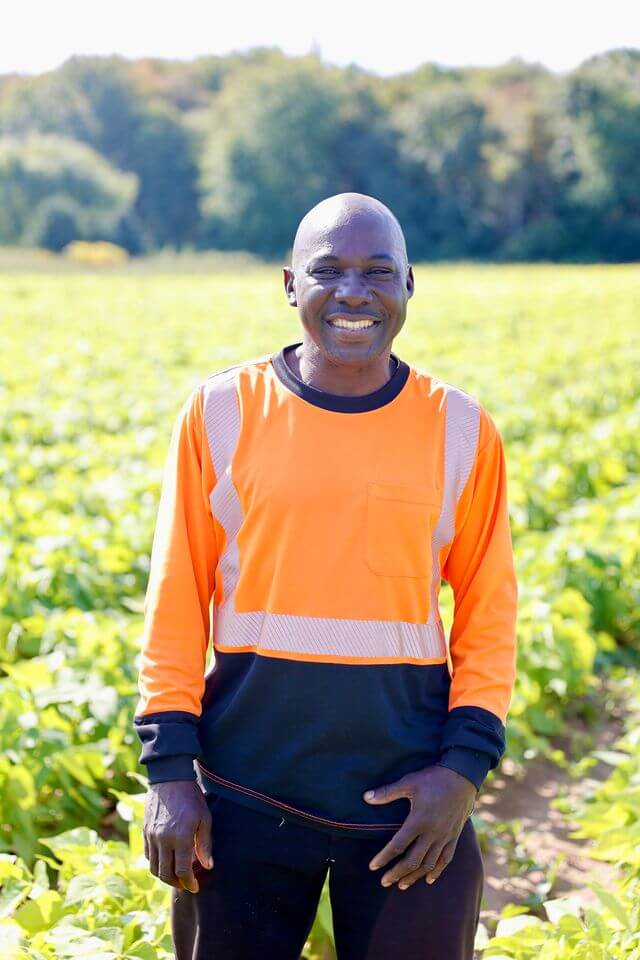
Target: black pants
{"points": [[259, 901]]}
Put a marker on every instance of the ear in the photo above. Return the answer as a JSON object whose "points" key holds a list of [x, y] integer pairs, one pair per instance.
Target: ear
{"points": [[290, 285], [410, 281]]}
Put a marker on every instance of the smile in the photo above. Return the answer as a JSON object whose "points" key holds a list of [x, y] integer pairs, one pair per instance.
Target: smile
{"points": [[352, 324]]}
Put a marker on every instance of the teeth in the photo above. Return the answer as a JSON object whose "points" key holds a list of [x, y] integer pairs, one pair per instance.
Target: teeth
{"points": [[353, 324]]}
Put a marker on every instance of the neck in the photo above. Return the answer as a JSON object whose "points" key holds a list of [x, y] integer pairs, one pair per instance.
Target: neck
{"points": [[342, 379]]}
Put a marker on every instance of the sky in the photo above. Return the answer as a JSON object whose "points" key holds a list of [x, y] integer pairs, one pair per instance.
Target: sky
{"points": [[384, 36]]}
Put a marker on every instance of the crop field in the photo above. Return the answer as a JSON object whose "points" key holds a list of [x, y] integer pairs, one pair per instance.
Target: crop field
{"points": [[94, 366]]}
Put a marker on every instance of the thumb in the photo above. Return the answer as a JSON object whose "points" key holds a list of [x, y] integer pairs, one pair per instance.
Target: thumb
{"points": [[390, 791], [203, 844]]}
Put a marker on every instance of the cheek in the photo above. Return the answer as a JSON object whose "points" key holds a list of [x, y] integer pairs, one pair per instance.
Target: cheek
{"points": [[393, 299], [314, 298]]}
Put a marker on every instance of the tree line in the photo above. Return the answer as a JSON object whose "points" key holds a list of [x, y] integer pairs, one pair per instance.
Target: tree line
{"points": [[506, 163]]}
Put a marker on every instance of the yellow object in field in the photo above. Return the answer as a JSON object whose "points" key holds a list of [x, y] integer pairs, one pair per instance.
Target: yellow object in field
{"points": [[99, 252]]}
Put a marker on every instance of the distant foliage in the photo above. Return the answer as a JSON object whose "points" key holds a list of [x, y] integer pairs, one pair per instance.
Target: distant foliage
{"points": [[54, 190], [268, 156], [504, 163]]}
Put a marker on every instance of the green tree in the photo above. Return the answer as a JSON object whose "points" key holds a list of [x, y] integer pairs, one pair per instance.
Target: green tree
{"points": [[147, 138], [53, 190], [96, 100], [510, 161], [282, 135], [161, 154], [603, 106], [445, 133]]}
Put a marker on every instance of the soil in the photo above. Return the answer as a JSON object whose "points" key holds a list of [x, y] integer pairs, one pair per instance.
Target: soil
{"points": [[543, 833]]}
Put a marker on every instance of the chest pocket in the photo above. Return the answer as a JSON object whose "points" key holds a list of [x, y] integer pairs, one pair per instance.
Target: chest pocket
{"points": [[399, 524]]}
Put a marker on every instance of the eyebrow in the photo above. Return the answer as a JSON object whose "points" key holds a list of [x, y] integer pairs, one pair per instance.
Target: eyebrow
{"points": [[334, 259]]}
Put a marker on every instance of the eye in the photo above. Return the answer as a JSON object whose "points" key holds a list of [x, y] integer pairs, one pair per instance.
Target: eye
{"points": [[322, 270], [384, 270]]}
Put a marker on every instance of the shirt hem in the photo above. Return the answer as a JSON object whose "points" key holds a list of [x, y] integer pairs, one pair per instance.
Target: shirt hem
{"points": [[212, 783]]}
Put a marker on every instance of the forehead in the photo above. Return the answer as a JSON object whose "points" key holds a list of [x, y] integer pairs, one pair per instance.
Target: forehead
{"points": [[349, 235]]}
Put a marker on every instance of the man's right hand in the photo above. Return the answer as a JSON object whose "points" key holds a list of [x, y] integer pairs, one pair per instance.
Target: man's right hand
{"points": [[177, 818]]}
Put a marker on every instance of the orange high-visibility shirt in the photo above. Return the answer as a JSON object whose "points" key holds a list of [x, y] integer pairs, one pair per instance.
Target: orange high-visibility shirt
{"points": [[306, 534]]}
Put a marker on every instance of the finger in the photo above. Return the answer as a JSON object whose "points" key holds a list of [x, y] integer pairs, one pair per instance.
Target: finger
{"points": [[204, 845], [166, 866], [397, 845], [443, 861], [153, 857], [404, 787], [410, 863], [429, 861], [146, 845], [184, 869]]}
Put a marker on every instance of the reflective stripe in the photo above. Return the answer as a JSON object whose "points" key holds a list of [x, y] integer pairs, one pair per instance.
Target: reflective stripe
{"points": [[462, 426], [322, 635], [222, 423], [368, 639]]}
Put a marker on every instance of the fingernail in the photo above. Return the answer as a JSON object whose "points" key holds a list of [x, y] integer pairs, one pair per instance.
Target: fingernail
{"points": [[431, 880], [403, 886], [370, 794], [386, 883], [210, 862], [373, 866]]}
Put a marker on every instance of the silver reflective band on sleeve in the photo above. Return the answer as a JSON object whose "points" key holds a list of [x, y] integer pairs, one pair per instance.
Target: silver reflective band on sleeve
{"points": [[462, 419]]}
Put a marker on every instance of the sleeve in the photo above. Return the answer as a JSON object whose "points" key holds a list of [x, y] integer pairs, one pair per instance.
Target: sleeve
{"points": [[480, 568], [177, 604]]}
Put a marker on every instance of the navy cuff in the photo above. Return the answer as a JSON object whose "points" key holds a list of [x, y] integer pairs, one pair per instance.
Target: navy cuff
{"points": [[472, 764], [473, 742], [167, 735], [164, 769]]}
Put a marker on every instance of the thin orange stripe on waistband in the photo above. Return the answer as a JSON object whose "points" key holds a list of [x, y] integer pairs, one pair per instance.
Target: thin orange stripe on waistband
{"points": [[326, 658]]}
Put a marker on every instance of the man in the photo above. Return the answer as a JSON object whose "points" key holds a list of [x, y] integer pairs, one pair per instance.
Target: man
{"points": [[318, 496]]}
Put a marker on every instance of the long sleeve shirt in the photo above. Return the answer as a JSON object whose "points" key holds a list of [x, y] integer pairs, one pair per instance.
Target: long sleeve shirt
{"points": [[306, 535]]}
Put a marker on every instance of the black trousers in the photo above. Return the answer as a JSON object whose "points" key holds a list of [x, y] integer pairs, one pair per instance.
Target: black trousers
{"points": [[259, 901]]}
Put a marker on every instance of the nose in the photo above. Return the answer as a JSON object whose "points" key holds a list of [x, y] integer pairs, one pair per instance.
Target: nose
{"points": [[352, 289]]}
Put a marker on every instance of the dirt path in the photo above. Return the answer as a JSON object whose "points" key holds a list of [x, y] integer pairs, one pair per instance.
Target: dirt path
{"points": [[542, 835]]}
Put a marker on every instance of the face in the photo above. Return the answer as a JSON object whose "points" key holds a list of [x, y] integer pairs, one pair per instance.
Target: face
{"points": [[353, 270]]}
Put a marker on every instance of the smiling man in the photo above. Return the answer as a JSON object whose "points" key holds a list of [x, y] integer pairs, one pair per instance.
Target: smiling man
{"points": [[313, 500]]}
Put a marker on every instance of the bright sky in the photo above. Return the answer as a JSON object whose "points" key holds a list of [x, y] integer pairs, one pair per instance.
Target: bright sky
{"points": [[386, 37]]}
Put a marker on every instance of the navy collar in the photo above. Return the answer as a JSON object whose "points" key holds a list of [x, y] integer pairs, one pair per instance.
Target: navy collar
{"points": [[332, 401]]}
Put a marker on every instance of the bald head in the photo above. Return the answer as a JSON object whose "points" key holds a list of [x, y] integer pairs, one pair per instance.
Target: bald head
{"points": [[349, 265], [346, 212]]}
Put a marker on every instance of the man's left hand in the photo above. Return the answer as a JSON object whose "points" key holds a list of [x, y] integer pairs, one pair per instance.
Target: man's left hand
{"points": [[441, 802]]}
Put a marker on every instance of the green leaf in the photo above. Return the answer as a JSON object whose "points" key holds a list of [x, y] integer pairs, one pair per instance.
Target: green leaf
{"points": [[143, 951], [83, 888], [72, 842], [41, 913], [117, 887], [559, 907], [611, 903], [523, 925]]}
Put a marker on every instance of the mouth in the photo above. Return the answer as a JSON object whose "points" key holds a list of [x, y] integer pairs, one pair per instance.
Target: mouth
{"points": [[350, 324]]}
